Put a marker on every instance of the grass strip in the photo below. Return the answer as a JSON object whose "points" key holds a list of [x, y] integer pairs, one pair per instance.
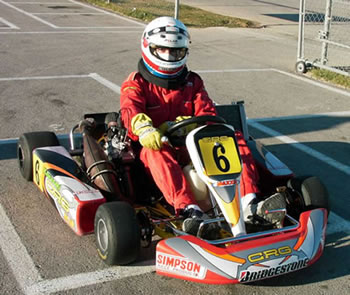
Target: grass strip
{"points": [[146, 11], [331, 77]]}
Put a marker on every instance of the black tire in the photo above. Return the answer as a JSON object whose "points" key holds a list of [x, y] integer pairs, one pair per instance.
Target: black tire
{"points": [[117, 233], [312, 191], [25, 146]]}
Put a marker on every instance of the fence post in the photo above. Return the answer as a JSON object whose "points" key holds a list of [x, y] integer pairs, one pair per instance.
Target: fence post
{"points": [[177, 6], [324, 35], [301, 30]]}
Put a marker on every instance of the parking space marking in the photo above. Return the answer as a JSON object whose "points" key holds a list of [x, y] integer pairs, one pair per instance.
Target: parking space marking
{"points": [[15, 253], [313, 82], [70, 32], [108, 27], [28, 14], [89, 279], [31, 282], [300, 117], [8, 24], [105, 82], [298, 77], [43, 77], [139, 24], [100, 11], [37, 3], [302, 147], [68, 13]]}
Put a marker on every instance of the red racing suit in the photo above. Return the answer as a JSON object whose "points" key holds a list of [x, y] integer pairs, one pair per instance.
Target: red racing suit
{"points": [[162, 104]]}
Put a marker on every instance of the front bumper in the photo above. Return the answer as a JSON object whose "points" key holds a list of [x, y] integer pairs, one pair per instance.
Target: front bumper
{"points": [[245, 259]]}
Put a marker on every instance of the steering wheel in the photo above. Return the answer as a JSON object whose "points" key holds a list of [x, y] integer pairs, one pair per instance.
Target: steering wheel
{"points": [[180, 141]]}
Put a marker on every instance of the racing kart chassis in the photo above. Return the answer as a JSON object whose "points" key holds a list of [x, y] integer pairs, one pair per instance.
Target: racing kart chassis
{"points": [[97, 186]]}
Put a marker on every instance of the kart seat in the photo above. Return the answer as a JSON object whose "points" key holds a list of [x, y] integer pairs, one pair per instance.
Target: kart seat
{"points": [[234, 114]]}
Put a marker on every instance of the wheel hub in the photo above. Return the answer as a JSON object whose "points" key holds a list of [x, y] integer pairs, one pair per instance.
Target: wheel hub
{"points": [[102, 235]]}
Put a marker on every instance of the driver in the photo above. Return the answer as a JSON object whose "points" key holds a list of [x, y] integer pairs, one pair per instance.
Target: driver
{"points": [[163, 91]]}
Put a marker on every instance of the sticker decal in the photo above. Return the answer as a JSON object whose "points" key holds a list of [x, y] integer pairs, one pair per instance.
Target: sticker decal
{"points": [[250, 276], [180, 266], [264, 255], [220, 155]]}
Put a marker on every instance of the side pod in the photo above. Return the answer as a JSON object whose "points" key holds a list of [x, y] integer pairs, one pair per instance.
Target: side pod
{"points": [[58, 176]]}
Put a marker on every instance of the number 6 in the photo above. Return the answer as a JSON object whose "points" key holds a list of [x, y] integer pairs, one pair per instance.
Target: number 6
{"points": [[219, 160]]}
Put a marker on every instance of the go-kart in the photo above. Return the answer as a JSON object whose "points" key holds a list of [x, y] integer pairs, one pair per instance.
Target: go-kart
{"points": [[98, 184]]}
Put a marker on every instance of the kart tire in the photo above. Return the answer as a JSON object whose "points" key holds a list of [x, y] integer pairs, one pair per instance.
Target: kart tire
{"points": [[117, 233], [312, 192], [25, 146]]}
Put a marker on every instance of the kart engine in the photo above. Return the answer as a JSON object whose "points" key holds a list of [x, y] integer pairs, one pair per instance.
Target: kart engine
{"points": [[102, 158]]}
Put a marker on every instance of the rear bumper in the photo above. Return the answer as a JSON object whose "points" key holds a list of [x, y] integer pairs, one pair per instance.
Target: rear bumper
{"points": [[261, 257]]}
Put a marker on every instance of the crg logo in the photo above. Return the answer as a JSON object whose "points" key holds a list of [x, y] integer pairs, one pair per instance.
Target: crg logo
{"points": [[259, 256]]}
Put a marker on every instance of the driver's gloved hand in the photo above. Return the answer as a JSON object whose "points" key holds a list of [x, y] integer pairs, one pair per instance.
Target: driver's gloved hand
{"points": [[165, 126], [149, 137], [187, 129], [180, 132]]}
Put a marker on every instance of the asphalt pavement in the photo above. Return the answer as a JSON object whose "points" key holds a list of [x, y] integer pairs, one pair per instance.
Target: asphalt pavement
{"points": [[59, 60]]}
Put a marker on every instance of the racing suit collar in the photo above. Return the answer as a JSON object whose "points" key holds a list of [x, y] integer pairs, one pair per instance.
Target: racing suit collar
{"points": [[173, 83]]}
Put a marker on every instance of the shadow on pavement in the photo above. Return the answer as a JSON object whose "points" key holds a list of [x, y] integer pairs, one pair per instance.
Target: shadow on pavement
{"points": [[330, 266]]}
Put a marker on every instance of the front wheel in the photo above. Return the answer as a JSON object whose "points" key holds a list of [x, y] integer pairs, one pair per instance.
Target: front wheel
{"points": [[117, 233], [310, 193]]}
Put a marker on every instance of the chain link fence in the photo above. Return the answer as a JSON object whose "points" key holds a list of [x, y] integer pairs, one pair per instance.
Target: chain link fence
{"points": [[324, 36]]}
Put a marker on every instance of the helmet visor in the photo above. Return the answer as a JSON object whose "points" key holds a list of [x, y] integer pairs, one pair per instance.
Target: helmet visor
{"points": [[168, 54]]}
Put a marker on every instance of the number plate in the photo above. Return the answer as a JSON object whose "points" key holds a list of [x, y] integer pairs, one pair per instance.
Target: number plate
{"points": [[220, 155]]}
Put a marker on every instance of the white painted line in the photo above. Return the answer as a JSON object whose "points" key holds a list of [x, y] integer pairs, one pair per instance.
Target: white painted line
{"points": [[68, 13], [109, 13], [313, 82], [319, 156], [232, 71], [308, 116], [44, 77], [7, 23], [94, 76], [38, 3], [29, 279], [105, 82], [16, 254], [88, 279], [70, 32], [28, 14], [307, 80], [78, 28], [33, 15]]}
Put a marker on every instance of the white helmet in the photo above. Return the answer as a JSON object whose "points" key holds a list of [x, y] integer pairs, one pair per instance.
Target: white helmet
{"points": [[164, 46]]}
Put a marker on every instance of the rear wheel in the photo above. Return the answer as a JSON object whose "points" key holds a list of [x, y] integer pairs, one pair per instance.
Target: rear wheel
{"points": [[117, 233], [310, 193], [25, 146]]}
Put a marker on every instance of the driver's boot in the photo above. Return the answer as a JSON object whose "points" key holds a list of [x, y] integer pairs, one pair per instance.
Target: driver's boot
{"points": [[193, 217], [272, 209]]}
